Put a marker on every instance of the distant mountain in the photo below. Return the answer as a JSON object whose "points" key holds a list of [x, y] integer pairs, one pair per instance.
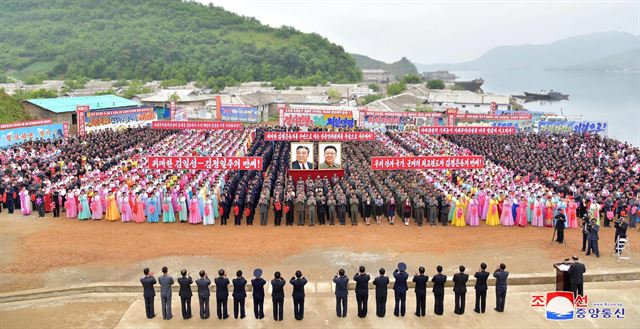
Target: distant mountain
{"points": [[625, 61], [562, 53], [398, 69]]}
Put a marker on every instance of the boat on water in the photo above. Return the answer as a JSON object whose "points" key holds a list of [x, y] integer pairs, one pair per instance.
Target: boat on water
{"points": [[542, 95]]}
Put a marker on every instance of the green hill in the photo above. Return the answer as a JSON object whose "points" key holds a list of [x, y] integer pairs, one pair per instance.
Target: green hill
{"points": [[398, 69], [160, 40]]}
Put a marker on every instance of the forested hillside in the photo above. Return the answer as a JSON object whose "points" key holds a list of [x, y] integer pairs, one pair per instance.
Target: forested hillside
{"points": [[160, 40]]}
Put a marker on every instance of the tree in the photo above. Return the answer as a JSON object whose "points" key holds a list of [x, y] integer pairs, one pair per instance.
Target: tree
{"points": [[334, 93], [411, 78], [372, 98], [435, 84], [374, 87], [396, 88], [423, 108], [136, 87], [35, 79], [74, 84]]}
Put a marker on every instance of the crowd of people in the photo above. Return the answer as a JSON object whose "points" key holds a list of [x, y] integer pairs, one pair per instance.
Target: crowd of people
{"points": [[381, 283], [527, 180]]}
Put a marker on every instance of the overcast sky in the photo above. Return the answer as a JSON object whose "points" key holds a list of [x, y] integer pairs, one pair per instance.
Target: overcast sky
{"points": [[436, 31]]}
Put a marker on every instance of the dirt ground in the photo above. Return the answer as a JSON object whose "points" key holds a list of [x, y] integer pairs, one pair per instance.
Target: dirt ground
{"points": [[36, 253]]}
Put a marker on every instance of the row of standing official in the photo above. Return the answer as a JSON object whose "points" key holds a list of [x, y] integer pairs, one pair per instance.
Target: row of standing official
{"points": [[341, 280]]}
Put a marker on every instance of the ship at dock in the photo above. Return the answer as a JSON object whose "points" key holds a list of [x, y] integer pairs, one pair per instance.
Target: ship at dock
{"points": [[549, 95]]}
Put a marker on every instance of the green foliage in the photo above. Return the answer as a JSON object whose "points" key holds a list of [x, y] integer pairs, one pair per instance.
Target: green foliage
{"points": [[3, 78], [35, 79], [435, 84], [423, 108], [334, 93], [121, 83], [397, 69], [396, 88], [74, 84], [160, 40], [11, 109], [173, 83], [135, 87], [372, 98], [111, 91], [411, 78], [374, 87], [21, 95]]}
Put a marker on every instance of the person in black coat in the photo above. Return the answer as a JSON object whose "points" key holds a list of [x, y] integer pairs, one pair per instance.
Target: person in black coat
{"points": [[559, 226], [576, 272], [460, 289], [400, 289], [382, 284], [55, 198], [11, 196], [421, 291], [203, 294], [592, 236], [185, 294], [621, 232], [148, 292], [439, 281], [342, 292], [481, 288], [298, 283], [239, 295], [258, 293], [501, 286], [277, 296], [362, 291], [222, 294]]}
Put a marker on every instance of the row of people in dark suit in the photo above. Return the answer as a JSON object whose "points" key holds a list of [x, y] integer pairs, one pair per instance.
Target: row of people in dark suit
{"points": [[239, 294], [381, 282]]}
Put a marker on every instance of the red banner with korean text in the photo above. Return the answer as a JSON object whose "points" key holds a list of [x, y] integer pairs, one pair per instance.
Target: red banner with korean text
{"points": [[204, 163], [196, 125], [496, 117], [319, 136], [427, 162], [401, 114], [80, 117], [468, 130]]}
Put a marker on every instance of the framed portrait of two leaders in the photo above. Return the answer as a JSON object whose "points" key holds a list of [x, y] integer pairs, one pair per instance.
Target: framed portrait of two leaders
{"points": [[329, 156]]}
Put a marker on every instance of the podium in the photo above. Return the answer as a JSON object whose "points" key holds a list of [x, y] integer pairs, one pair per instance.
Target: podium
{"points": [[563, 281]]}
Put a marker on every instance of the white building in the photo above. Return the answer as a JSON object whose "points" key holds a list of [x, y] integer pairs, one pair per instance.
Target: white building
{"points": [[466, 101]]}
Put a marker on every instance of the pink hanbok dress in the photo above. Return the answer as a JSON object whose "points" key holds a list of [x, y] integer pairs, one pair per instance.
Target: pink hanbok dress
{"points": [[194, 212], [71, 206], [472, 213], [506, 218], [25, 203], [521, 214]]}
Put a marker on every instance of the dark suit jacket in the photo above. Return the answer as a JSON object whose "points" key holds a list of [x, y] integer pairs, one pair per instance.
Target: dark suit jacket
{"points": [[147, 286], [185, 286], [421, 284], [481, 280], [298, 287], [278, 288], [258, 287], [342, 283], [362, 283], [460, 282], [238, 288], [400, 285], [382, 284], [203, 287], [575, 272], [222, 287], [296, 165], [501, 280], [438, 283]]}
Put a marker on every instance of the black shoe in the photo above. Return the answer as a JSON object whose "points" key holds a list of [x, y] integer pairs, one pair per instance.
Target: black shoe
{"points": [[476, 311]]}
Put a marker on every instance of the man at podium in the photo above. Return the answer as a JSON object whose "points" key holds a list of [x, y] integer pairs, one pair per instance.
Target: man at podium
{"points": [[576, 272]]}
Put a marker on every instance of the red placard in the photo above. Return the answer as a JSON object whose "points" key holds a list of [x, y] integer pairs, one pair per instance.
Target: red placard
{"points": [[319, 136], [401, 114], [23, 124], [172, 110], [427, 162], [468, 130], [65, 129], [218, 108], [196, 125], [452, 114], [80, 111], [204, 163], [496, 117]]}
